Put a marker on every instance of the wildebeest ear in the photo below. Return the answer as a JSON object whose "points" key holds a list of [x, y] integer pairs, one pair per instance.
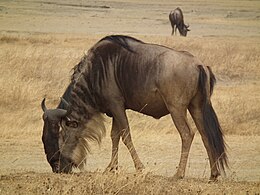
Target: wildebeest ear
{"points": [[72, 124]]}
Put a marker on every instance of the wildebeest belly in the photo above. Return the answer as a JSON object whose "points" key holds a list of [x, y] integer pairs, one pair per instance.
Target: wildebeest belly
{"points": [[150, 104]]}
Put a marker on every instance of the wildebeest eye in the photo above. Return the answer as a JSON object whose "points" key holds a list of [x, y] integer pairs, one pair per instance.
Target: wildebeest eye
{"points": [[73, 124]]}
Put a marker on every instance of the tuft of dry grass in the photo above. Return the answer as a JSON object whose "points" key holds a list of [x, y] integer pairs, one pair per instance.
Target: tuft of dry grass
{"points": [[98, 183]]}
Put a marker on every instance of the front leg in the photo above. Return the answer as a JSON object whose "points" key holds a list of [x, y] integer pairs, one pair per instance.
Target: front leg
{"points": [[120, 127], [115, 136], [127, 140]]}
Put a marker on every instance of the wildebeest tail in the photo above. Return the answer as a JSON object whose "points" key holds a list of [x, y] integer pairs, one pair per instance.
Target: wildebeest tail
{"points": [[211, 124], [212, 80]]}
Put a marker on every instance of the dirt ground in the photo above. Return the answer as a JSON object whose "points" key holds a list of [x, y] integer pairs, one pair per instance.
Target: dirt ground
{"points": [[26, 171], [23, 166]]}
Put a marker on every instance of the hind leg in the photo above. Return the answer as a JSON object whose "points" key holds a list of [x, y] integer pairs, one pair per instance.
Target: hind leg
{"points": [[173, 29], [179, 116], [196, 112]]}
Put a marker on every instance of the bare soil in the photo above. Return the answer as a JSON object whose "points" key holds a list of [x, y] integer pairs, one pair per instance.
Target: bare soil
{"points": [[35, 27]]}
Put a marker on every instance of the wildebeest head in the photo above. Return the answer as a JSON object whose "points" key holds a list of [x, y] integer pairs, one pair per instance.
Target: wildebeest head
{"points": [[184, 30], [51, 138]]}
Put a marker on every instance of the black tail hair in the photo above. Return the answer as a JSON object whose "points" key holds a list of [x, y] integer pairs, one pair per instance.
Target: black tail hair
{"points": [[211, 124], [212, 80]]}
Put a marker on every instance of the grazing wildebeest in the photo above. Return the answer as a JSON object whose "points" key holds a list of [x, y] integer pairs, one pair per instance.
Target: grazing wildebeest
{"points": [[177, 22], [119, 73]]}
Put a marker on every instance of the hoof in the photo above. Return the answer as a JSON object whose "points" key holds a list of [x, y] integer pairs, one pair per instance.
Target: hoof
{"points": [[178, 177], [213, 178], [111, 169], [140, 168]]}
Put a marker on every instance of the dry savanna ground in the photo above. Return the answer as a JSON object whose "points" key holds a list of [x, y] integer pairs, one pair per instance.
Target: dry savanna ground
{"points": [[41, 41]]}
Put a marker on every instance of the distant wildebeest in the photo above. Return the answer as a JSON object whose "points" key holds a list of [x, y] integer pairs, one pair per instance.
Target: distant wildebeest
{"points": [[177, 21], [119, 73]]}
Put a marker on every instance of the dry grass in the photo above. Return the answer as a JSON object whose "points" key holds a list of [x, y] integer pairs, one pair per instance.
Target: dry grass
{"points": [[122, 183]]}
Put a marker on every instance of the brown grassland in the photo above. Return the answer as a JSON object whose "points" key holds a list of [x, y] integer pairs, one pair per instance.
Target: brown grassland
{"points": [[41, 41]]}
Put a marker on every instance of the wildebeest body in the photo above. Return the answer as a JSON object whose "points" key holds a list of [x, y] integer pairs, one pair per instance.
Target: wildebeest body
{"points": [[139, 82], [177, 22], [120, 73]]}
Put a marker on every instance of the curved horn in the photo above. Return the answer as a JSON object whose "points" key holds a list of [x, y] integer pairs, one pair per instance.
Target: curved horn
{"points": [[44, 108], [187, 26], [60, 113]]}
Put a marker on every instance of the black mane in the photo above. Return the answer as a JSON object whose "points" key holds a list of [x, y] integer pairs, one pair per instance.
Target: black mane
{"points": [[121, 40]]}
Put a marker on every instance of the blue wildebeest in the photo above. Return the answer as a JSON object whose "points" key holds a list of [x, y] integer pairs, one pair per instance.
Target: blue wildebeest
{"points": [[119, 73], [177, 22]]}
